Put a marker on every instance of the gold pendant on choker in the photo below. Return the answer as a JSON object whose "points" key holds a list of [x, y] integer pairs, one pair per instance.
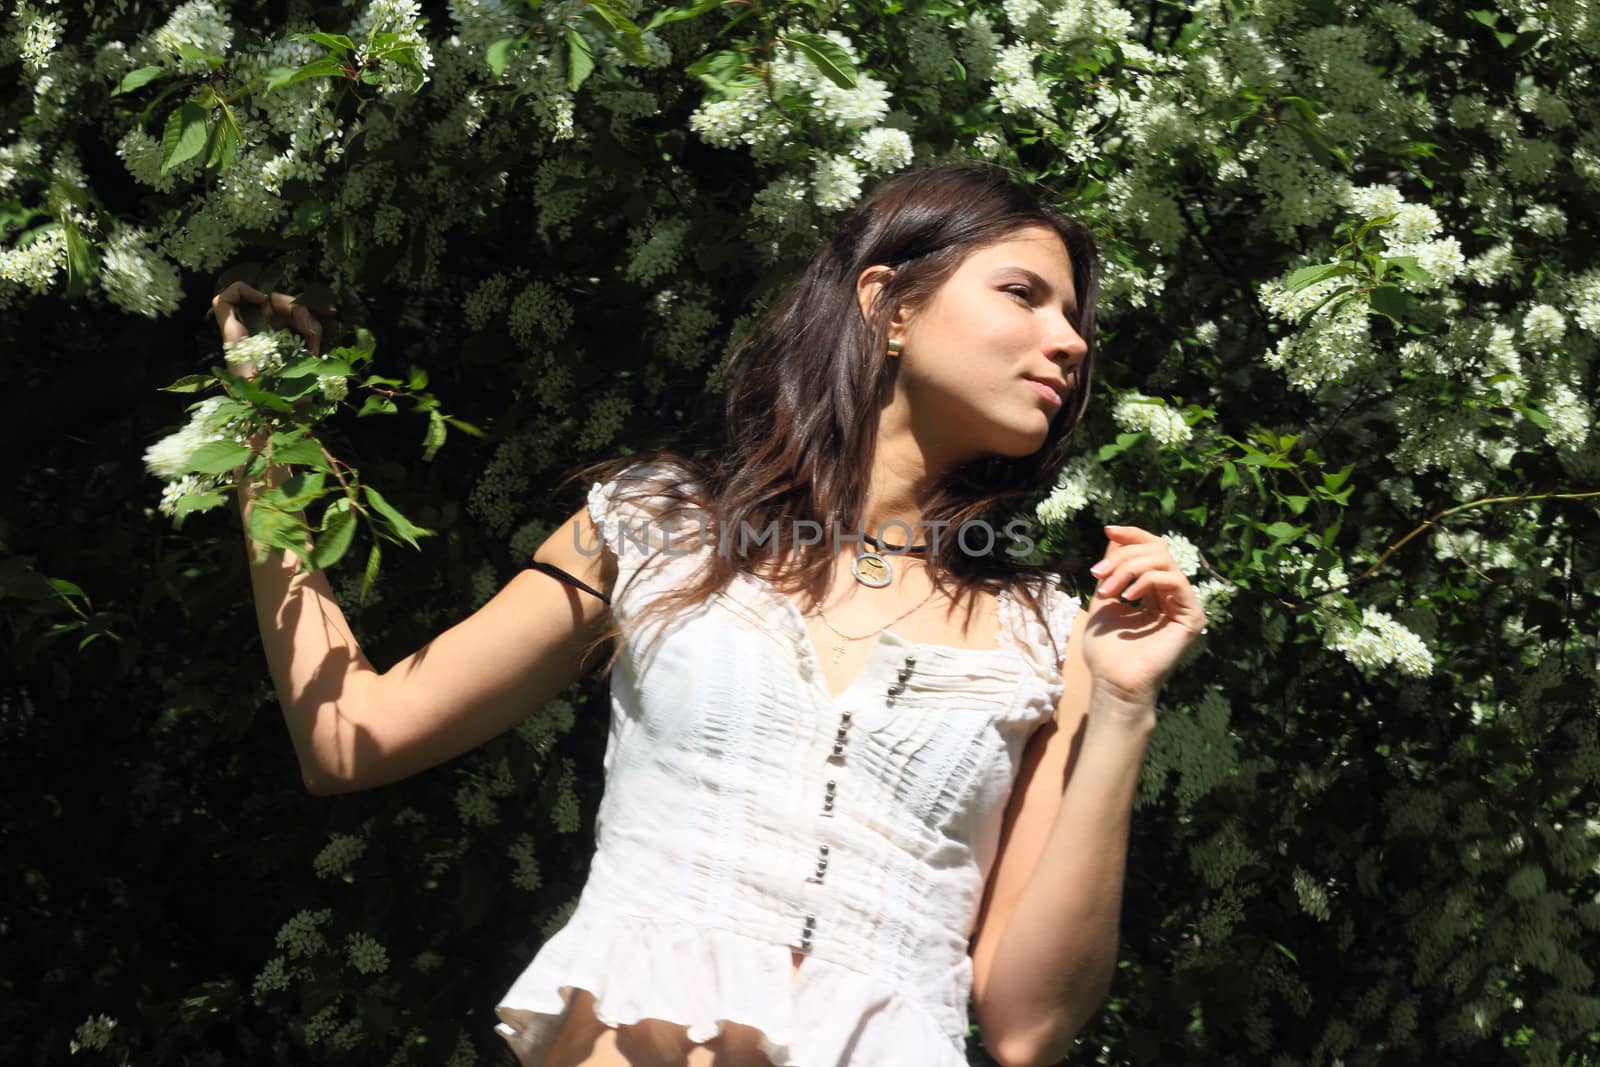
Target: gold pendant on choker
{"points": [[872, 569]]}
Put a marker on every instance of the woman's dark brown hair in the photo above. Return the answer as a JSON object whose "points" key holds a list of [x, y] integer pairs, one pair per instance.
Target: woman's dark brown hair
{"points": [[805, 390]]}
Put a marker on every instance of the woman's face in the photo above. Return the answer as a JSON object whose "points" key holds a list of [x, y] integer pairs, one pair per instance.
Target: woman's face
{"points": [[1002, 318]]}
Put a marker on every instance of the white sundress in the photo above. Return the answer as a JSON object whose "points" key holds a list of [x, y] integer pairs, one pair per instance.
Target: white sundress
{"points": [[748, 813]]}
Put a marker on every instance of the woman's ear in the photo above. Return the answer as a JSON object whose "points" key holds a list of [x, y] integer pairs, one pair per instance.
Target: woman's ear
{"points": [[869, 286]]}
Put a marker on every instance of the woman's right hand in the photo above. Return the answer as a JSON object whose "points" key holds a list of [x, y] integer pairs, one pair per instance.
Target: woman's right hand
{"points": [[282, 312]]}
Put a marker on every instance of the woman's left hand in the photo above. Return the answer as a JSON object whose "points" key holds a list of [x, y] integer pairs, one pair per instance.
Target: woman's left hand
{"points": [[1133, 647]]}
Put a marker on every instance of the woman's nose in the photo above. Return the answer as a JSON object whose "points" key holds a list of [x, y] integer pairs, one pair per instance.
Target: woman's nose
{"points": [[1067, 346]]}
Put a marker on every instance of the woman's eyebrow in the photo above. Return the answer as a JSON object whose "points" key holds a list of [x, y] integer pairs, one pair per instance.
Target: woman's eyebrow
{"points": [[1071, 305]]}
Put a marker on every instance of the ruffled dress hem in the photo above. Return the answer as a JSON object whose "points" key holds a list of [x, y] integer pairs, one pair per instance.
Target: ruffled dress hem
{"points": [[640, 968]]}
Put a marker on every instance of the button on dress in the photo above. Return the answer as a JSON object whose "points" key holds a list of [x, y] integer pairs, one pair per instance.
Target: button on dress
{"points": [[748, 814]]}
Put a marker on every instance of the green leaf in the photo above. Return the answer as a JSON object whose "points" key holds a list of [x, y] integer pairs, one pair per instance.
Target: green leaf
{"points": [[300, 489], [500, 55], [1410, 269], [326, 67], [138, 79], [1324, 150], [222, 145], [337, 41], [1335, 480], [80, 256], [1537, 417], [435, 436], [403, 527], [1306, 277], [829, 56], [62, 585], [678, 14], [1390, 301], [323, 365], [370, 575], [194, 54], [197, 502], [1297, 504], [580, 59], [338, 532], [189, 383], [377, 405], [1307, 109], [1230, 476], [624, 33], [306, 452], [1123, 442], [1286, 952], [724, 73], [184, 136], [271, 527], [218, 457], [1282, 533]]}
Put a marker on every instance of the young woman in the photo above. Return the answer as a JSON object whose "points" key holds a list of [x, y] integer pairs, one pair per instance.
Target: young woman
{"points": [[865, 762]]}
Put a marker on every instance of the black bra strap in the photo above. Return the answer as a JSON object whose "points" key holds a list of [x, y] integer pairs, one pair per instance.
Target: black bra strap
{"points": [[556, 572]]}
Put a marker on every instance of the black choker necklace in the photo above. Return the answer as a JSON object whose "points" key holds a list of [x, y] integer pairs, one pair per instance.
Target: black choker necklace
{"points": [[892, 548]]}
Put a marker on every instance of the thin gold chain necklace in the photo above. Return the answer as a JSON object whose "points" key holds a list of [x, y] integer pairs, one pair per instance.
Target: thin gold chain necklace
{"points": [[838, 645]]}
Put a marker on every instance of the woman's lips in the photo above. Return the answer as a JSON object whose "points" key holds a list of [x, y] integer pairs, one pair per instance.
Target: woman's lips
{"points": [[1046, 391]]}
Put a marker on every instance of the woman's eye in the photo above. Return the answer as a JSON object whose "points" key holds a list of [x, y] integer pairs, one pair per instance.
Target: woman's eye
{"points": [[1019, 290]]}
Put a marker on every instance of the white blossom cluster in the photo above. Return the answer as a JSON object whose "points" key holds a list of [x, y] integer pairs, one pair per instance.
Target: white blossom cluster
{"points": [[274, 977], [747, 117], [338, 854], [366, 954], [1016, 86], [538, 314], [1313, 895], [1569, 417], [1378, 641], [540, 730], [138, 278], [836, 182], [398, 17], [168, 458], [1584, 293], [20, 153], [197, 23], [33, 266], [1214, 595], [1080, 482], [1137, 413], [302, 936], [37, 35], [657, 246], [1325, 349], [95, 1033], [1184, 553], [526, 876]]}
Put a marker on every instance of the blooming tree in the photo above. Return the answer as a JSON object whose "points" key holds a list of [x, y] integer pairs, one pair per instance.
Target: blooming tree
{"points": [[1348, 326]]}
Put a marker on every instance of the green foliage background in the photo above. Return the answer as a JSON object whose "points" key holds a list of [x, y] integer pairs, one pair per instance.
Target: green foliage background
{"points": [[1361, 838]]}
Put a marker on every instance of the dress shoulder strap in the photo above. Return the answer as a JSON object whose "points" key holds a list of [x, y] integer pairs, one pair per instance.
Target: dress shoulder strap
{"points": [[556, 572]]}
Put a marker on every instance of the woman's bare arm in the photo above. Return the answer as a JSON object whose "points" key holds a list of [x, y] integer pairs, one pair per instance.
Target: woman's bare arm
{"points": [[355, 728]]}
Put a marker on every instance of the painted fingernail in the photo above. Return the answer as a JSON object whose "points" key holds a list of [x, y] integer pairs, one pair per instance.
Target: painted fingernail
{"points": [[1099, 569]]}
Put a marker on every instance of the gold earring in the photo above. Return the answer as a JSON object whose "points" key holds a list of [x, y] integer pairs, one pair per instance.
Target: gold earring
{"points": [[894, 347]]}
